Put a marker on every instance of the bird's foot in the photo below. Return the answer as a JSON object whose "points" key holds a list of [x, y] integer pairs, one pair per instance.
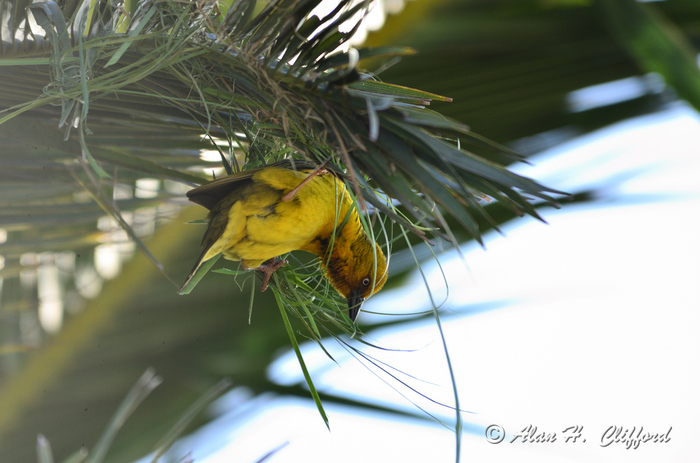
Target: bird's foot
{"points": [[268, 268]]}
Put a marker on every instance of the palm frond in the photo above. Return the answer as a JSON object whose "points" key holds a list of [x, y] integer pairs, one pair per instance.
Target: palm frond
{"points": [[274, 83]]}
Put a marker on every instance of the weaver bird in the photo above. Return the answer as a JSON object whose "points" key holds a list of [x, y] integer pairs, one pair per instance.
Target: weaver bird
{"points": [[257, 215]]}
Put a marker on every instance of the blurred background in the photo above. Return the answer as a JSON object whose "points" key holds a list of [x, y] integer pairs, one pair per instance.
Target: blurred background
{"points": [[587, 322]]}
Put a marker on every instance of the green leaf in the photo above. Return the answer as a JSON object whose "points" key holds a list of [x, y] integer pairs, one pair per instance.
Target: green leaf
{"points": [[25, 62], [201, 271], [192, 411], [656, 44], [475, 164], [341, 59], [300, 358], [147, 167], [135, 31], [399, 91], [394, 147], [143, 387], [43, 450], [228, 271], [50, 18], [432, 119], [87, 155], [237, 16], [77, 457]]}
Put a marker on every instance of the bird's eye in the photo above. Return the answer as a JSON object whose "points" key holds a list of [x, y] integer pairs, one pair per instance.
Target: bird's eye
{"points": [[365, 282]]}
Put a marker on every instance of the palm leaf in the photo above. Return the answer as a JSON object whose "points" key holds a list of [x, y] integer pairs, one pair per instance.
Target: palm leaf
{"points": [[269, 76]]}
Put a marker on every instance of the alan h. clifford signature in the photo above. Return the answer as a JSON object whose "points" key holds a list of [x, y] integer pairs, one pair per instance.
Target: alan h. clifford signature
{"points": [[631, 438]]}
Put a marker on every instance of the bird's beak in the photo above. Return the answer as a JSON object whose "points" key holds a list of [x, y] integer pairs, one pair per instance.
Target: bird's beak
{"points": [[354, 303]]}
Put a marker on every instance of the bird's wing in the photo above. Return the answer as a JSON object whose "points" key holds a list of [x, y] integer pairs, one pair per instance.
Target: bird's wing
{"points": [[210, 194]]}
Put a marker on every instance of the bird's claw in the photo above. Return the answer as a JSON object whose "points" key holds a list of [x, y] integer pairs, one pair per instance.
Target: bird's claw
{"points": [[268, 268]]}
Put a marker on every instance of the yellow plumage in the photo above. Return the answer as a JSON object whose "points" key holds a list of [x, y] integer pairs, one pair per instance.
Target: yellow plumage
{"points": [[251, 220]]}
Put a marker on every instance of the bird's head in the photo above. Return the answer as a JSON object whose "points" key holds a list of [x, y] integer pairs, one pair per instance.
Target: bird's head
{"points": [[352, 271]]}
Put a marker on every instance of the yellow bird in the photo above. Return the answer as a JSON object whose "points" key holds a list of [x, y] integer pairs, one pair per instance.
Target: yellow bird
{"points": [[257, 215]]}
